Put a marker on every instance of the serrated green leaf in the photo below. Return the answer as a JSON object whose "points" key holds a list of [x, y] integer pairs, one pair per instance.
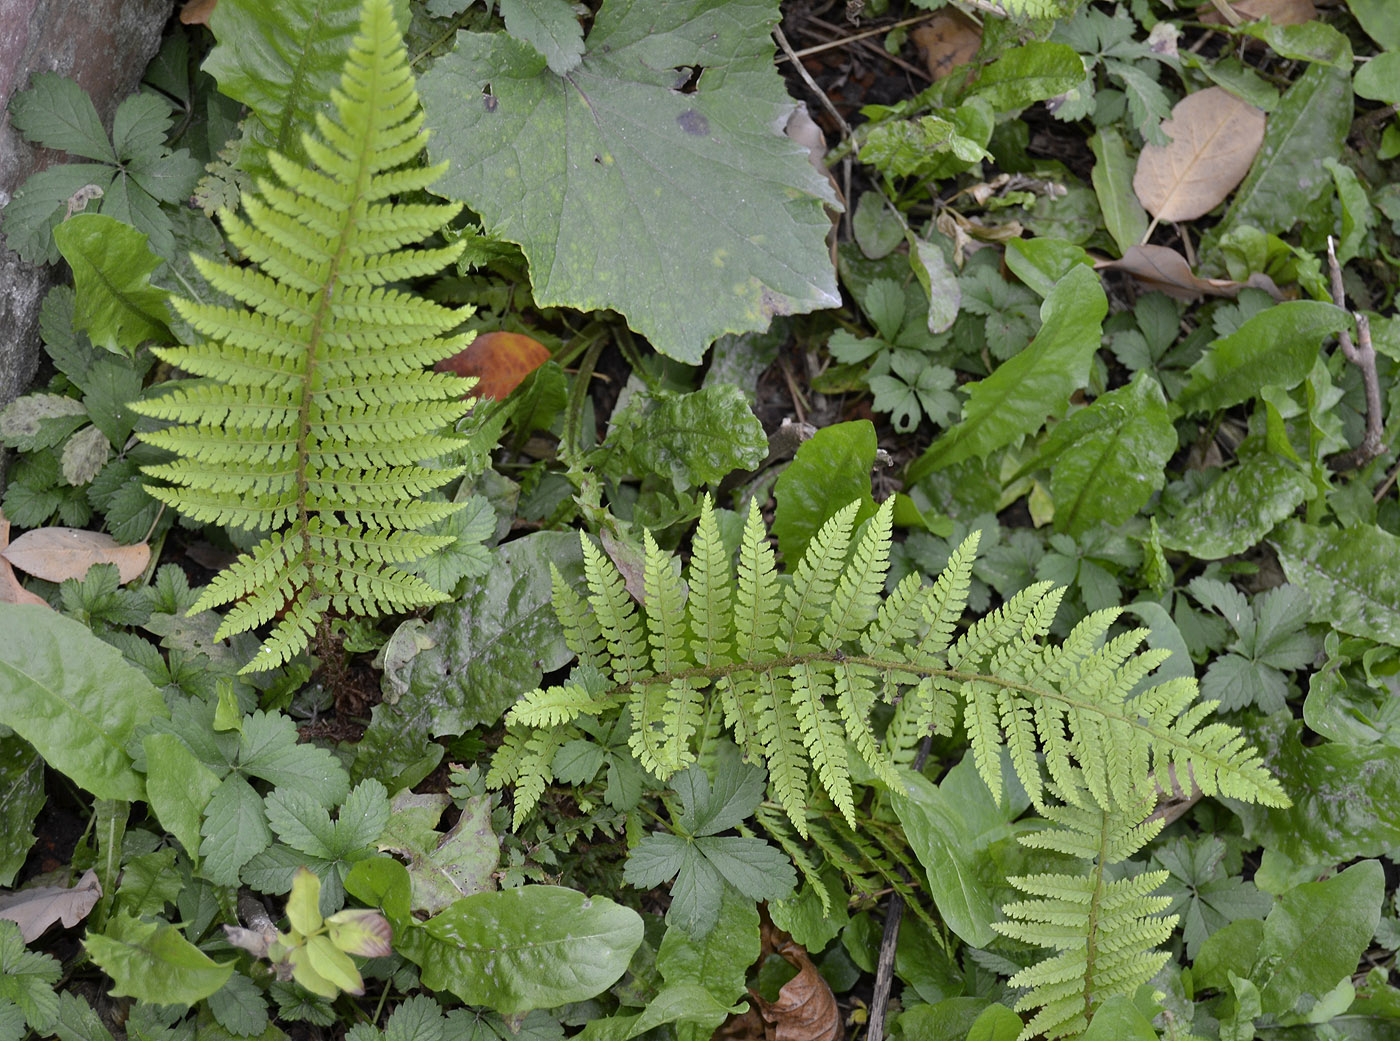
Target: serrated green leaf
{"points": [[1021, 76], [21, 799], [57, 113], [27, 979], [282, 61], [752, 866], [634, 186], [1349, 576], [469, 556], [74, 698], [234, 828], [1106, 460], [153, 962], [1287, 182], [718, 963], [117, 306], [526, 948], [269, 747], [149, 882], [110, 385], [41, 203], [239, 1007], [552, 27], [1315, 935], [1276, 346], [1016, 399]]}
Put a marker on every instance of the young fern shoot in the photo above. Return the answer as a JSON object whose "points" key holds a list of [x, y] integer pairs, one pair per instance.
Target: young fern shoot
{"points": [[314, 413]]}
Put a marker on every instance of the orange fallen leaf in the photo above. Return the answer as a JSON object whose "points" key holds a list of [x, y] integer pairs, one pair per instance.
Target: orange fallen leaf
{"points": [[55, 554], [1214, 138], [499, 360], [948, 41], [806, 1009], [11, 592], [37, 908], [197, 12], [1164, 269], [1280, 12]]}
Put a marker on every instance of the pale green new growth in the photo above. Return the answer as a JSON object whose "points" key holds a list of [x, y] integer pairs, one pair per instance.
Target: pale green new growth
{"points": [[797, 667], [315, 412]]}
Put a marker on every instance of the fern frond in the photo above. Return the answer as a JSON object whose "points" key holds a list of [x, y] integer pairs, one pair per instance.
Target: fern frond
{"points": [[616, 614], [857, 597], [311, 415], [712, 584], [811, 592]]}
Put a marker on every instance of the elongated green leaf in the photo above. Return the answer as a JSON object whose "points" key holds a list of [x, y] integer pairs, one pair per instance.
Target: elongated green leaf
{"points": [[1288, 182], [634, 187], [74, 698], [281, 60], [178, 787], [1112, 175], [117, 306], [1352, 577], [1106, 460], [1276, 346], [1016, 399], [1024, 75], [527, 948], [154, 962], [1238, 510], [1316, 933]]}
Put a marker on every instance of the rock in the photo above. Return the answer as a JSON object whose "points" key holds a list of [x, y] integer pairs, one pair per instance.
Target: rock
{"points": [[105, 45]]}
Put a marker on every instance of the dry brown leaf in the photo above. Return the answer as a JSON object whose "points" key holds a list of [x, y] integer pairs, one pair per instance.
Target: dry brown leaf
{"points": [[1280, 12], [34, 910], [806, 1009], [1214, 138], [11, 592], [948, 41], [197, 12], [55, 554], [500, 361], [1164, 269]]}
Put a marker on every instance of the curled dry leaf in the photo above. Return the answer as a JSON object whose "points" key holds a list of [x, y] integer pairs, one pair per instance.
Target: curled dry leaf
{"points": [[1280, 12], [11, 592], [197, 12], [500, 361], [1164, 269], [1214, 138], [34, 910], [806, 1009], [948, 41], [56, 554]]}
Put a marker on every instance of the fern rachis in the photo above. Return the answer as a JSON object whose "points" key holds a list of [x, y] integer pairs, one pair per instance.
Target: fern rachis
{"points": [[313, 414]]}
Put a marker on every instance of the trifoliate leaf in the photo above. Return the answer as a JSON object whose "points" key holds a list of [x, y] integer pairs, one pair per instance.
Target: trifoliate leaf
{"points": [[638, 182], [268, 748], [57, 113]]}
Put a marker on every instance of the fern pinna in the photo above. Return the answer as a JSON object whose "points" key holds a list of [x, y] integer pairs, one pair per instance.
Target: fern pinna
{"points": [[314, 412]]}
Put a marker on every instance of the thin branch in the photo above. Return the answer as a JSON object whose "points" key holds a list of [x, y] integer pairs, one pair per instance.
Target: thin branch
{"points": [[1362, 354], [833, 44], [811, 83]]}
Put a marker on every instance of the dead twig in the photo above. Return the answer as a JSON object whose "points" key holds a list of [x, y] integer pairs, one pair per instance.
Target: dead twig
{"points": [[853, 38], [1362, 354], [811, 83]]}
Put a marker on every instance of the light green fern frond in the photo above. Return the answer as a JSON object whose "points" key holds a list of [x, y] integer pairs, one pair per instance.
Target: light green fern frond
{"points": [[1104, 932], [799, 666], [313, 413]]}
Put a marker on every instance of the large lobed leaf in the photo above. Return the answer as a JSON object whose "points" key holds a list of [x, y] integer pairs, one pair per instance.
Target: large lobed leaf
{"points": [[689, 212]]}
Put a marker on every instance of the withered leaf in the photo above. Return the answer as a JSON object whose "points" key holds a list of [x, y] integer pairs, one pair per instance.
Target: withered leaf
{"points": [[34, 910], [806, 1009], [1159, 267], [1280, 12], [948, 41], [55, 554], [1214, 138], [11, 592], [197, 12], [499, 360]]}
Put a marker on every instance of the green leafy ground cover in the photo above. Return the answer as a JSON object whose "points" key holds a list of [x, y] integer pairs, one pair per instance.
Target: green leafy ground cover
{"points": [[1037, 678]]}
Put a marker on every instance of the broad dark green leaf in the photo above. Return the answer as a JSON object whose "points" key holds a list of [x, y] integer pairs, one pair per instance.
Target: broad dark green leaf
{"points": [[117, 306], [1313, 41], [1315, 935], [281, 60], [496, 641], [1288, 181], [153, 962], [1276, 346], [1106, 460], [1352, 577], [522, 949], [633, 187], [74, 698], [831, 469], [21, 799], [552, 27], [1377, 17], [1238, 510], [1023, 392]]}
